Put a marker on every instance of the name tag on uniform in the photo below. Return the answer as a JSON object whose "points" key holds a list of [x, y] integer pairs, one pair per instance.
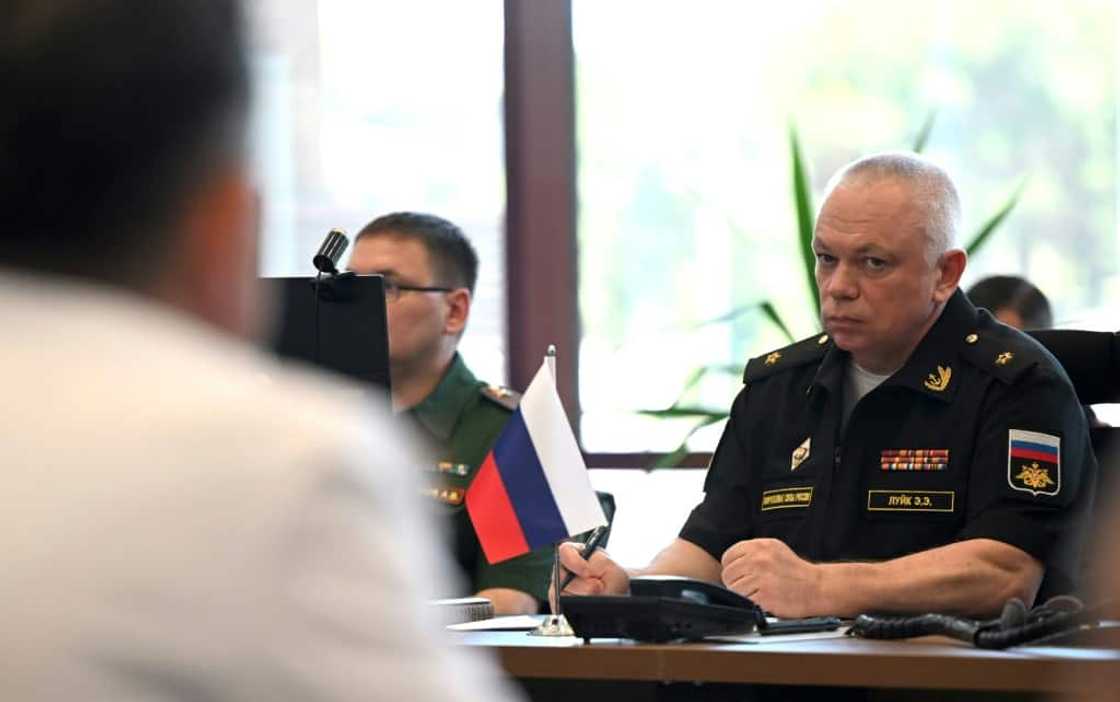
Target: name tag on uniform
{"points": [[787, 498], [911, 500]]}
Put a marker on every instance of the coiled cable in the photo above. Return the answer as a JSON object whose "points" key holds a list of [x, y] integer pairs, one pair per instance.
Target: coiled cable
{"points": [[1015, 626]]}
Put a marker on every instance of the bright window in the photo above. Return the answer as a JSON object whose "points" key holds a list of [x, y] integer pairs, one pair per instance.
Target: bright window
{"points": [[369, 107], [686, 210]]}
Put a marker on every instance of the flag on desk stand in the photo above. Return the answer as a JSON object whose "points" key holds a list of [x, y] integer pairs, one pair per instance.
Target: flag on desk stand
{"points": [[533, 489]]}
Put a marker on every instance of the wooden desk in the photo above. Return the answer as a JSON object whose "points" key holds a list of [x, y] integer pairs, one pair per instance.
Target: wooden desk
{"points": [[931, 663]]}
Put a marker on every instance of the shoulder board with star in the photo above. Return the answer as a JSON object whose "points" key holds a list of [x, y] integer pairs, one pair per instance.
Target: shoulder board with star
{"points": [[1001, 351], [502, 396], [797, 354]]}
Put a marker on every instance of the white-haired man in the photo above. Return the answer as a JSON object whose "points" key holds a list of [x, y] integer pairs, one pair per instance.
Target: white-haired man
{"points": [[917, 456]]}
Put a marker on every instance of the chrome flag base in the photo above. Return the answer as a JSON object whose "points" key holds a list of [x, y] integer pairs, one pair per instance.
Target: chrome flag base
{"points": [[553, 625]]}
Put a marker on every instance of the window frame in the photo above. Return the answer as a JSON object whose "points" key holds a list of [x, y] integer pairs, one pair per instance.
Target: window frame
{"points": [[542, 273]]}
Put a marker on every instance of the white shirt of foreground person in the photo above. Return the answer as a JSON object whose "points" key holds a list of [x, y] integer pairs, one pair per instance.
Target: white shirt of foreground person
{"points": [[183, 519]]}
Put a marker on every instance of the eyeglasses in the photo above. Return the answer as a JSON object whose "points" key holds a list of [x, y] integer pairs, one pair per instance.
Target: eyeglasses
{"points": [[394, 289]]}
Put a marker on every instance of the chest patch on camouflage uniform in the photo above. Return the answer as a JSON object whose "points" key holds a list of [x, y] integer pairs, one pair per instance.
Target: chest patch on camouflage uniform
{"points": [[447, 482], [461, 469], [446, 494], [1034, 462], [787, 498]]}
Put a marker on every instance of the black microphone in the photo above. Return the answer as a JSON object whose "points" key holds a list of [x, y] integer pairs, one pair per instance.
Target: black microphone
{"points": [[326, 261]]}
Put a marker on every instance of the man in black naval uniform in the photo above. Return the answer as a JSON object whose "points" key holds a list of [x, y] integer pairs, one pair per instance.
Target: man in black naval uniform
{"points": [[430, 270], [917, 456]]}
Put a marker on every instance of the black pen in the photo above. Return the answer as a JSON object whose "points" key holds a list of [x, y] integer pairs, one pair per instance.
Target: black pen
{"points": [[589, 546]]}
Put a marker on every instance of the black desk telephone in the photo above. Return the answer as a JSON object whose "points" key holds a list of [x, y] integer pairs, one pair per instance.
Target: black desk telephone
{"points": [[666, 608]]}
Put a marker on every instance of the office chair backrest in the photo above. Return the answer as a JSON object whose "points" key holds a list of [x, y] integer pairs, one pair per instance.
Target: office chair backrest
{"points": [[1106, 447], [1091, 359]]}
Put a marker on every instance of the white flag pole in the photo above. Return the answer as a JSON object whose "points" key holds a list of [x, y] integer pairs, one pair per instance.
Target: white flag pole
{"points": [[550, 360], [555, 624]]}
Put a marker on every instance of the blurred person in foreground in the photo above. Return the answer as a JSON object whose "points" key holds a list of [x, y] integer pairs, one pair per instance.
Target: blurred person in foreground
{"points": [[917, 456], [1013, 300], [183, 518], [430, 270]]}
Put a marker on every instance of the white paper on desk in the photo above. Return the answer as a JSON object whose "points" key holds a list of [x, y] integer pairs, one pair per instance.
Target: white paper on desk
{"points": [[520, 622], [756, 638]]}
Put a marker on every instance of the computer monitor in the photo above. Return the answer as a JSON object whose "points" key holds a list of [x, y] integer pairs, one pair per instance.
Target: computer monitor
{"points": [[337, 323]]}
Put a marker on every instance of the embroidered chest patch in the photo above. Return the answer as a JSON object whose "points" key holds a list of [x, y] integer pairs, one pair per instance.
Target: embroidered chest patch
{"points": [[1034, 462], [461, 469], [786, 498], [913, 459], [911, 500], [800, 453], [447, 495]]}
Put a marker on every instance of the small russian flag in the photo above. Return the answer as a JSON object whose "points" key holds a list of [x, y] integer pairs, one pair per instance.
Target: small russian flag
{"points": [[533, 489], [1034, 462], [1034, 446]]}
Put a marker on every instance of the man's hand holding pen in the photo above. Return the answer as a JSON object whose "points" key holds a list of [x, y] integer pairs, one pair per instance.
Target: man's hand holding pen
{"points": [[588, 570]]}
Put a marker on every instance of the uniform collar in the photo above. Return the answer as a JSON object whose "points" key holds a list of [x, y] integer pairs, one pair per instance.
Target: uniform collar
{"points": [[830, 373], [439, 412], [931, 367]]}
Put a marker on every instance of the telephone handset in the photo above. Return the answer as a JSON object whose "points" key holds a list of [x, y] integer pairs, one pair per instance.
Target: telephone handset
{"points": [[660, 609], [698, 591], [663, 608], [710, 593]]}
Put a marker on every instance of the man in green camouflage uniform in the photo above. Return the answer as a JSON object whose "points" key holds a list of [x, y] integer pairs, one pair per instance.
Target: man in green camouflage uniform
{"points": [[430, 270]]}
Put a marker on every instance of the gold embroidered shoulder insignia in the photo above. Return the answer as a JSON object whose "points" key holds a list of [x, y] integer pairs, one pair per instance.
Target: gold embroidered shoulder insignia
{"points": [[502, 396], [939, 382]]}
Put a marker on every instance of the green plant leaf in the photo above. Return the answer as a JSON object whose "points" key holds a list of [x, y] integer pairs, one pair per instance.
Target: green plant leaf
{"points": [[693, 378], [671, 459], [685, 411], [803, 201], [698, 374], [995, 220], [773, 316], [766, 307], [729, 316], [922, 139]]}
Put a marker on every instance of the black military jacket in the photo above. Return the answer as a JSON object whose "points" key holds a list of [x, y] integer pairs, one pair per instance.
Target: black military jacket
{"points": [[978, 435]]}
